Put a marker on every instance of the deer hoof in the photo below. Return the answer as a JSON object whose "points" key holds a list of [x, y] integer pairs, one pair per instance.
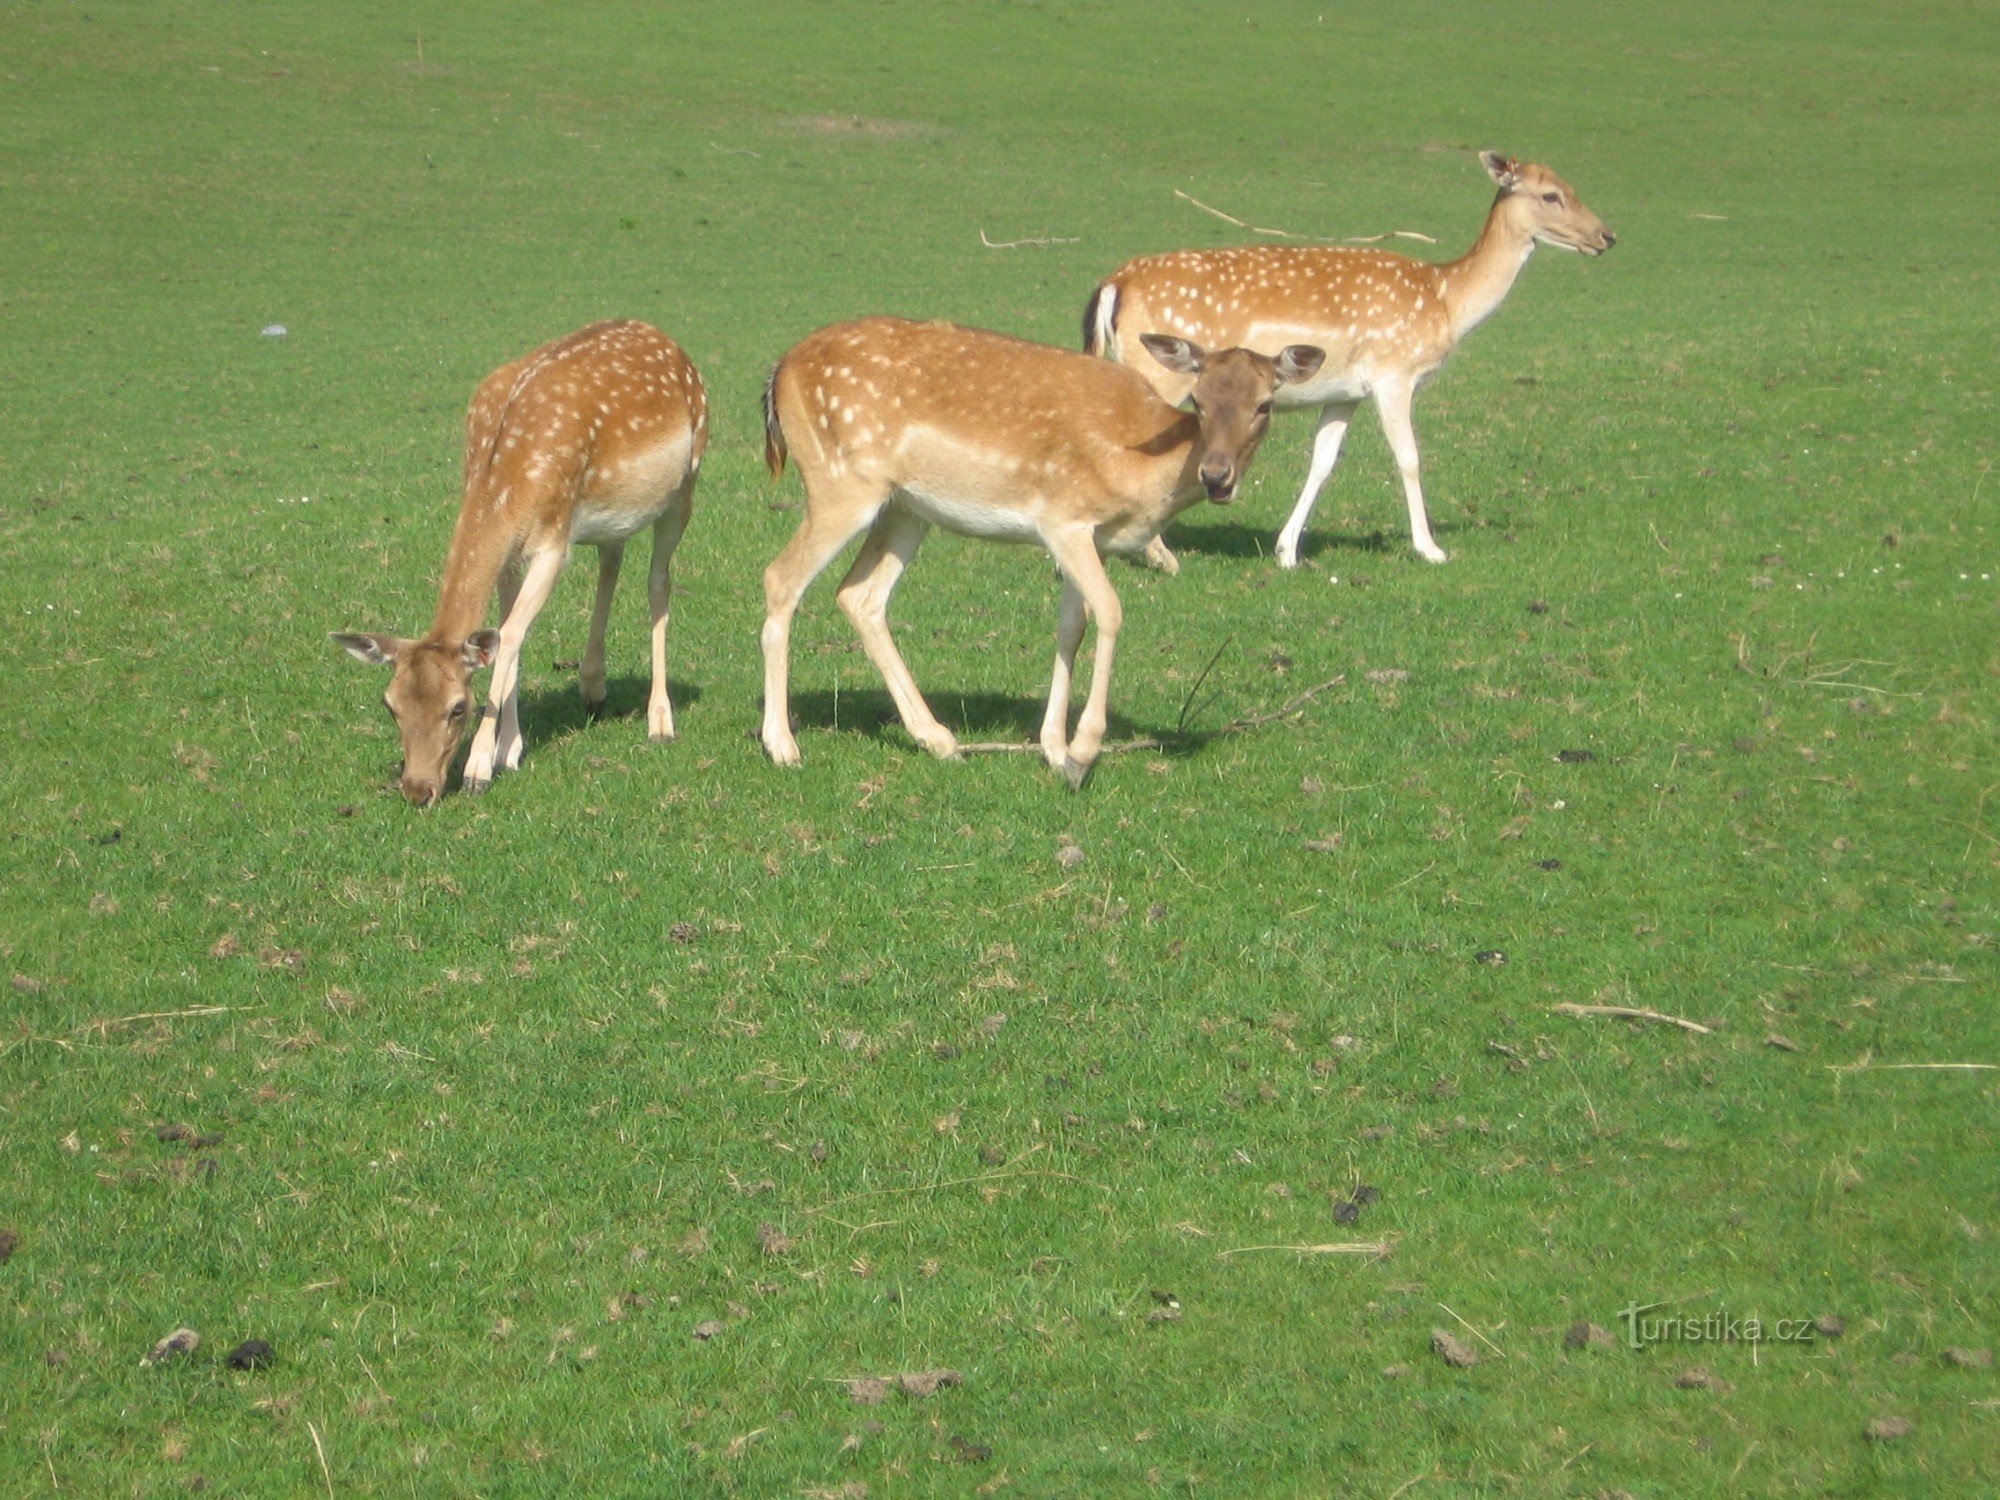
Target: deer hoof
{"points": [[473, 786], [663, 736], [1076, 772]]}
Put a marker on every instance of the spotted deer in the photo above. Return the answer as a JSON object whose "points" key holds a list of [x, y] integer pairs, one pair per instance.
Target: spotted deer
{"points": [[1386, 322], [898, 426], [586, 440]]}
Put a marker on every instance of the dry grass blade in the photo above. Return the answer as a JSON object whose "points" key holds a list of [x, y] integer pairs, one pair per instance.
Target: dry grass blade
{"points": [[1632, 1013], [108, 1022], [325, 1472], [1376, 1248]]}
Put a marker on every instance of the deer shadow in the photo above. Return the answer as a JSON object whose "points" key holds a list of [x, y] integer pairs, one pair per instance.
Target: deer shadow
{"points": [[973, 717], [1240, 539]]}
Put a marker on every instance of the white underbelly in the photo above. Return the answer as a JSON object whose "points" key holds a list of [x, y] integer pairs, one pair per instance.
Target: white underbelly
{"points": [[1344, 385], [972, 516], [628, 494]]}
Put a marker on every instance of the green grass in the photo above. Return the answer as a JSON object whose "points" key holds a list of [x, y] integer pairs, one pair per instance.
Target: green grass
{"points": [[485, 1076]]}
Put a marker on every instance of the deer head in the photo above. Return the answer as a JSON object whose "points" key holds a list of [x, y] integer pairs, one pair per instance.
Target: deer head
{"points": [[1231, 400], [1545, 207], [430, 698]]}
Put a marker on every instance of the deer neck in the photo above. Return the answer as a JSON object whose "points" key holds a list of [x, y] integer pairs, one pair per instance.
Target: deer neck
{"points": [[471, 571], [1478, 281], [1171, 451]]}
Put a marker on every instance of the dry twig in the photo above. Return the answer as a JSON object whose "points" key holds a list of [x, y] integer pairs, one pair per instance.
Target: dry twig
{"points": [[1017, 244], [1376, 1248], [1286, 234], [1631, 1013]]}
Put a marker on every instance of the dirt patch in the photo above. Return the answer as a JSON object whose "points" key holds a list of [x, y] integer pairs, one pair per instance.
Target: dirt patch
{"points": [[860, 127]]}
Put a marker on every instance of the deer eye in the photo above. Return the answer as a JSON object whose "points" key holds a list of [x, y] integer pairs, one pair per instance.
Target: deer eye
{"points": [[457, 711], [1552, 197], [1263, 408]]}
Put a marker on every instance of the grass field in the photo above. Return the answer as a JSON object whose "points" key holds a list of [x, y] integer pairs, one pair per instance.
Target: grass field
{"points": [[889, 1065]]}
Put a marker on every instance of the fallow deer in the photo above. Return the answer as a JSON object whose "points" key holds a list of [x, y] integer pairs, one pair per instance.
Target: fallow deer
{"points": [[586, 440], [898, 426], [1386, 321]]}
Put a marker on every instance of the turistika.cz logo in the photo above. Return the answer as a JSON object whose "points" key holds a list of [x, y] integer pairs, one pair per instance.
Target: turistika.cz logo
{"points": [[1709, 1328]]}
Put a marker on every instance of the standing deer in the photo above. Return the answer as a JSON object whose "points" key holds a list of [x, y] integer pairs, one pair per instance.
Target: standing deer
{"points": [[899, 426], [586, 440], [1386, 321]]}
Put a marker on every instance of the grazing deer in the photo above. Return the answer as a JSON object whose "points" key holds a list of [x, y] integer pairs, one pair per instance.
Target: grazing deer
{"points": [[586, 440], [899, 426], [1386, 321]]}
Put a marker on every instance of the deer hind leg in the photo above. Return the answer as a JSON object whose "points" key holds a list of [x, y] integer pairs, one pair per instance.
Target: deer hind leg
{"points": [[1069, 635], [864, 599], [499, 736], [833, 519], [610, 557], [1075, 552], [659, 590], [1333, 420], [1393, 402]]}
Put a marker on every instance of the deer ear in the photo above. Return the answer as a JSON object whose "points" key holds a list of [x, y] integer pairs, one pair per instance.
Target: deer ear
{"points": [[1502, 169], [1297, 362], [376, 650], [479, 649], [1177, 355]]}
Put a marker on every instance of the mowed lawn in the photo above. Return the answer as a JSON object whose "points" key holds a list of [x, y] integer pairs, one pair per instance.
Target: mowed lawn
{"points": [[593, 1136]]}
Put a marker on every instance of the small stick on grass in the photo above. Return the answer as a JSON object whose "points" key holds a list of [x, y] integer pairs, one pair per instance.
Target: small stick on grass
{"points": [[1866, 1066], [1017, 244], [1632, 1013], [1376, 1248], [1286, 234]]}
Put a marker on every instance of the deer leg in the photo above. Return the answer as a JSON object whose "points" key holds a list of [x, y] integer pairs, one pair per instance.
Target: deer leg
{"points": [[1160, 557], [827, 528], [1333, 420], [1393, 402], [1075, 552], [659, 590], [610, 557], [864, 599], [1069, 635], [499, 733], [509, 726]]}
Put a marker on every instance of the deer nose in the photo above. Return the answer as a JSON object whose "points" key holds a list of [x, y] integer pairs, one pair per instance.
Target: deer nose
{"points": [[1218, 476], [421, 793], [1610, 239]]}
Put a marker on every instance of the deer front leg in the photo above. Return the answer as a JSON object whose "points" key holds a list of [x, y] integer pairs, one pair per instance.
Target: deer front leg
{"points": [[499, 723], [1069, 635], [1333, 420], [610, 557], [816, 543], [1076, 553], [1393, 401], [659, 592], [864, 599]]}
